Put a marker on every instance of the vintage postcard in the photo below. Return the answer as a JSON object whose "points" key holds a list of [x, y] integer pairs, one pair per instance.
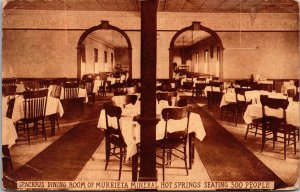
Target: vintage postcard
{"points": [[124, 95]]}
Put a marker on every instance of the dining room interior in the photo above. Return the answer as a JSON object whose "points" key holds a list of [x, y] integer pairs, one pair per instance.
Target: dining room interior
{"points": [[150, 90]]}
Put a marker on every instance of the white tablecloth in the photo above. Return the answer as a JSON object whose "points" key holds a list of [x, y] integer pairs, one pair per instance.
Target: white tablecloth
{"points": [[53, 106], [113, 80], [9, 134], [20, 88], [208, 88], [254, 111], [131, 129], [254, 95], [81, 93], [97, 84], [230, 97], [288, 86]]}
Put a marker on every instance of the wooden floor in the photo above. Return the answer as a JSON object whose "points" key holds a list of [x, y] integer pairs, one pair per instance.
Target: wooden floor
{"points": [[287, 170]]}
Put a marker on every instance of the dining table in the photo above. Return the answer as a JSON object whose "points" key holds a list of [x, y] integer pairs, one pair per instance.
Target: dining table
{"points": [[20, 87], [82, 93], [53, 107], [130, 128], [251, 95], [254, 111], [97, 84], [9, 133]]}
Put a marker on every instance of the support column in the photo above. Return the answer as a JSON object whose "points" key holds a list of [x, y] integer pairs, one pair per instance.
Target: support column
{"points": [[148, 119]]}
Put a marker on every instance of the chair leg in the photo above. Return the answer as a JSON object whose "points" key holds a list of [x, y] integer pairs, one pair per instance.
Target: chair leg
{"points": [[185, 161], [107, 153], [163, 163], [289, 137], [284, 141], [121, 162], [44, 129], [263, 140], [236, 116], [28, 135], [247, 131], [294, 135], [56, 120], [256, 127]]}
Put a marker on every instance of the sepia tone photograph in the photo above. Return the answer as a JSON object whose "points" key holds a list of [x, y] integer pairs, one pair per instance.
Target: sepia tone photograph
{"points": [[150, 95]]}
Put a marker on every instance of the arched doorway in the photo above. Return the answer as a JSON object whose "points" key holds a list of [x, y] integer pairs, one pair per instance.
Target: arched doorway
{"points": [[104, 25], [196, 26]]}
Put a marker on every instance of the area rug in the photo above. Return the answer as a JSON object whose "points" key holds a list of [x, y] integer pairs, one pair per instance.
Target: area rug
{"points": [[226, 159], [62, 160]]}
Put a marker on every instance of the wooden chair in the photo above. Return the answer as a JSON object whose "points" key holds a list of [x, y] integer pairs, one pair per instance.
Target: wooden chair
{"points": [[73, 105], [55, 92], [167, 96], [276, 124], [113, 136], [89, 86], [214, 97], [34, 112], [174, 141], [241, 104], [71, 90], [102, 88], [9, 90], [10, 108], [188, 86], [199, 89], [9, 82]]}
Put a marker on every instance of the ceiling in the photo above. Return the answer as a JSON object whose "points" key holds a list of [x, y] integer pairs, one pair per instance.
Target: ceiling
{"points": [[110, 38], [201, 6], [189, 38]]}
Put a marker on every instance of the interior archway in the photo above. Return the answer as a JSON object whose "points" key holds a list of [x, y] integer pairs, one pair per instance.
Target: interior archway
{"points": [[196, 26], [104, 25]]}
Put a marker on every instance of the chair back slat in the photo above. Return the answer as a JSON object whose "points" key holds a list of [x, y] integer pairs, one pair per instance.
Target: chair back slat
{"points": [[71, 90], [35, 104], [113, 132]]}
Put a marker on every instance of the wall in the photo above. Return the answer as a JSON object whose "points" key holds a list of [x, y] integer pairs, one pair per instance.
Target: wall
{"points": [[45, 41], [90, 44], [274, 55], [33, 53], [209, 66], [122, 57]]}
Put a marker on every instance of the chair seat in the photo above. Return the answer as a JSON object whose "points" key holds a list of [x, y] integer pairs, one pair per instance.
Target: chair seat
{"points": [[117, 141], [171, 143]]}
